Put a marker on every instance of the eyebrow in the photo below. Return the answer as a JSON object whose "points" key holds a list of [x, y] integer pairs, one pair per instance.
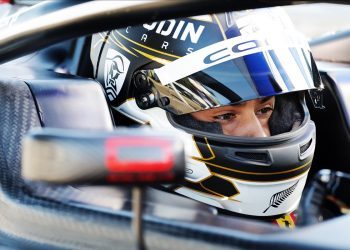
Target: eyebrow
{"points": [[262, 100], [265, 99]]}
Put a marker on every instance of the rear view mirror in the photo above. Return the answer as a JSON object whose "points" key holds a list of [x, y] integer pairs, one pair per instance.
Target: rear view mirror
{"points": [[125, 156]]}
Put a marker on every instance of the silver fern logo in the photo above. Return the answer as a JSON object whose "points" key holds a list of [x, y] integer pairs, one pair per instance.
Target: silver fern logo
{"points": [[278, 198], [116, 68]]}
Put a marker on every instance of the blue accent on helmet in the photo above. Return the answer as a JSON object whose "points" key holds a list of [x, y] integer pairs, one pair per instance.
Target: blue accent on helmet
{"points": [[232, 32], [260, 73], [281, 70]]}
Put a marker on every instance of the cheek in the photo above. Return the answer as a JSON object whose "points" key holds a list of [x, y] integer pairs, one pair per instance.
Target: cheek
{"points": [[267, 131], [266, 127], [240, 128], [231, 128]]}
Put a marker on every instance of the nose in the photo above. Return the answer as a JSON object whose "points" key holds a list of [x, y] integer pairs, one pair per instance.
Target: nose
{"points": [[249, 126]]}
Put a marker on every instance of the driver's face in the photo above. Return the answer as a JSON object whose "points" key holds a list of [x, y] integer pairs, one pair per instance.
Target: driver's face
{"points": [[250, 118]]}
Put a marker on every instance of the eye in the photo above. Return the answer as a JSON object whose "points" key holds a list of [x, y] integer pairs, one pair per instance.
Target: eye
{"points": [[224, 117], [265, 111]]}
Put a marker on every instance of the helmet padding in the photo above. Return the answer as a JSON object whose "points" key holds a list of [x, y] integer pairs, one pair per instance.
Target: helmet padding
{"points": [[287, 114]]}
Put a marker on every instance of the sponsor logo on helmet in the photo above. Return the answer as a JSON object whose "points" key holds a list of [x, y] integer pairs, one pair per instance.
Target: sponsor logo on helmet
{"points": [[278, 198], [176, 29], [226, 50], [165, 35], [116, 68]]}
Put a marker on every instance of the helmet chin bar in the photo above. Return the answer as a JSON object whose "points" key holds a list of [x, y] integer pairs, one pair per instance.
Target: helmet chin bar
{"points": [[232, 173]]}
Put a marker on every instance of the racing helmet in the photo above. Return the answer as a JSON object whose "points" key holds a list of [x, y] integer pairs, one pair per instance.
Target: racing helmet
{"points": [[162, 73]]}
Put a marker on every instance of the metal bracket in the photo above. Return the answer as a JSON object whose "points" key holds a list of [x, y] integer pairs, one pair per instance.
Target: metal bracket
{"points": [[316, 96]]}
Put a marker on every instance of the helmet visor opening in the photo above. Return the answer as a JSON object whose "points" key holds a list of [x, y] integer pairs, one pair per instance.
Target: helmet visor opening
{"points": [[272, 116]]}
